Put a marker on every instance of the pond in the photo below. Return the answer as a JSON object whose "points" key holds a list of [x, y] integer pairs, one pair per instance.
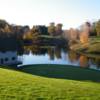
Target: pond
{"points": [[56, 55]]}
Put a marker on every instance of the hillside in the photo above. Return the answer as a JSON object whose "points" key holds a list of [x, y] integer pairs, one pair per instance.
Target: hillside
{"points": [[16, 85]]}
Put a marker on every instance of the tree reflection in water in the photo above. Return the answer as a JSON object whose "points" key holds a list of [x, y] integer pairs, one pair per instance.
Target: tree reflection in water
{"points": [[84, 61], [51, 53], [96, 61], [57, 53], [73, 57]]}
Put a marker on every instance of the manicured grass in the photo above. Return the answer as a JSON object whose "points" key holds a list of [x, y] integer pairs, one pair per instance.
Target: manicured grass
{"points": [[15, 85], [62, 72]]}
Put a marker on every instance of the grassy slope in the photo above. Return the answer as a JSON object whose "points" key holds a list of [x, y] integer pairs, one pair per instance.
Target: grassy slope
{"points": [[16, 85]]}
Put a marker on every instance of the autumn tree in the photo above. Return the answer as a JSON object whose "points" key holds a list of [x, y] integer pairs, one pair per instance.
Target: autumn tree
{"points": [[98, 27], [93, 29], [73, 34], [5, 29], [3, 23], [85, 31], [66, 35], [51, 29], [58, 29], [35, 32]]}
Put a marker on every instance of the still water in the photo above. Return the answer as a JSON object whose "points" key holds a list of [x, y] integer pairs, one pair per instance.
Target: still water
{"points": [[56, 55]]}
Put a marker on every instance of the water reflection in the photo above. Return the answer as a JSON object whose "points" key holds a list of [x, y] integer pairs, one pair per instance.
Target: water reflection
{"points": [[51, 53], [95, 62], [84, 61], [35, 54], [73, 57], [57, 55], [54, 53]]}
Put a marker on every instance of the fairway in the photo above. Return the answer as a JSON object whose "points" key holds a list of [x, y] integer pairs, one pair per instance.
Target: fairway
{"points": [[19, 85]]}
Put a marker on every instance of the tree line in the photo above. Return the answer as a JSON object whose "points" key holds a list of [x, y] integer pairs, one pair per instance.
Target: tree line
{"points": [[24, 32]]}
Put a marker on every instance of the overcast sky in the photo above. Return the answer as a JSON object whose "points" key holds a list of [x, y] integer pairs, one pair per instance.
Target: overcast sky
{"points": [[41, 12]]}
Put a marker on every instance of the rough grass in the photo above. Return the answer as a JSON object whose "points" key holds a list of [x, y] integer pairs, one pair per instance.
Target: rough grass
{"points": [[16, 85]]}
